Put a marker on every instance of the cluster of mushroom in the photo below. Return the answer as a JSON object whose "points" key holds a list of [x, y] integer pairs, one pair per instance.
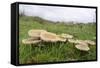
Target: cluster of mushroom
{"points": [[37, 35], [82, 45]]}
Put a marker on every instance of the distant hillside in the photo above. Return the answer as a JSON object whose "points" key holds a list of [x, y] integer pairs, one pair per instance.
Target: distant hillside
{"points": [[41, 20]]}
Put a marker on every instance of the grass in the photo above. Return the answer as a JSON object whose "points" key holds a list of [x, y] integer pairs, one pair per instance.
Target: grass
{"points": [[54, 52]]}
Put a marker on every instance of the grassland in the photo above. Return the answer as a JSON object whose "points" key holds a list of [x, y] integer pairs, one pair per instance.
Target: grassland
{"points": [[54, 52]]}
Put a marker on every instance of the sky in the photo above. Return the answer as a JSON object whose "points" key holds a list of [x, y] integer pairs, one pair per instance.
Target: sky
{"points": [[61, 14]]}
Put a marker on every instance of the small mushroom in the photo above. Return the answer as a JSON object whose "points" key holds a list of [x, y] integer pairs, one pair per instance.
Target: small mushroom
{"points": [[30, 41], [66, 36], [76, 41], [49, 37], [35, 33], [72, 41], [90, 42], [82, 47]]}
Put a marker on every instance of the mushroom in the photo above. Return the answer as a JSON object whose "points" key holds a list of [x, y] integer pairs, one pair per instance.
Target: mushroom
{"points": [[90, 42], [30, 41], [66, 36], [72, 41], [82, 47], [35, 33], [79, 41], [76, 41], [49, 37]]}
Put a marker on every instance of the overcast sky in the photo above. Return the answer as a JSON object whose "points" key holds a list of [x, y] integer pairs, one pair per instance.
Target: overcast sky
{"points": [[55, 13]]}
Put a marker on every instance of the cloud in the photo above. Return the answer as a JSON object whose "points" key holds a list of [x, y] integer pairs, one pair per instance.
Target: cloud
{"points": [[55, 13]]}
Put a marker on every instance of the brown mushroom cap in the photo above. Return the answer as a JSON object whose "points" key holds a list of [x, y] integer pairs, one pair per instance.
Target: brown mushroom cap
{"points": [[49, 37], [30, 41], [82, 47], [35, 33]]}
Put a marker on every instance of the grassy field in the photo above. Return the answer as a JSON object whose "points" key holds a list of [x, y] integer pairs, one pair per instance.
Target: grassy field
{"points": [[54, 52]]}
